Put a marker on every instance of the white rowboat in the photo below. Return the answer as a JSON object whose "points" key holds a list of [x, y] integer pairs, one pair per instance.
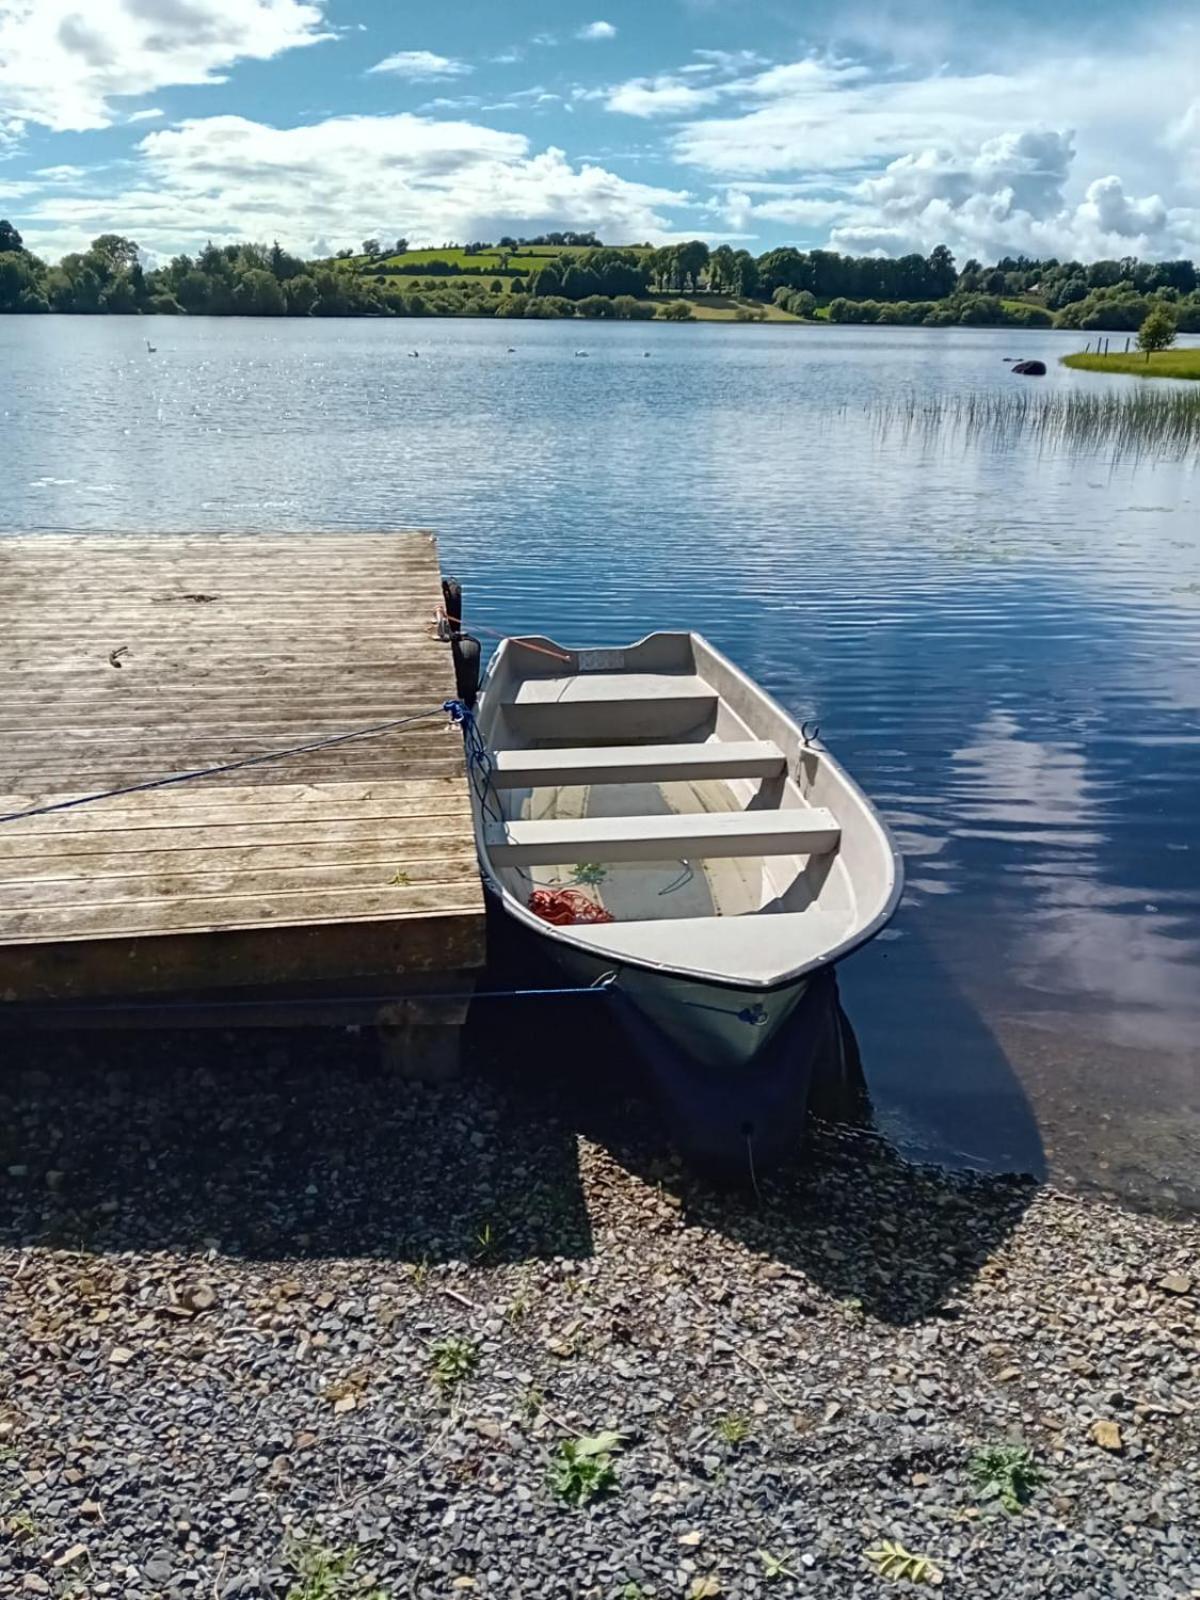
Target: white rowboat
{"points": [[718, 857]]}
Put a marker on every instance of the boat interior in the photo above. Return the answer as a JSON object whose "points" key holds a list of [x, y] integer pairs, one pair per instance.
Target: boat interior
{"points": [[662, 788]]}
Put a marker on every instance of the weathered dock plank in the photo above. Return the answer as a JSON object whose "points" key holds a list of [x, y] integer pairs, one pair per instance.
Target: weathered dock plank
{"points": [[126, 658]]}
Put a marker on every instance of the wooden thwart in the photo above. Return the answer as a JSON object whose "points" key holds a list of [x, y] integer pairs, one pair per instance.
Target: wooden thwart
{"points": [[696, 835], [637, 763]]}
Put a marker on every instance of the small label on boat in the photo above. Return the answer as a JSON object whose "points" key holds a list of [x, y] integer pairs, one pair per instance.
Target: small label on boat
{"points": [[602, 661]]}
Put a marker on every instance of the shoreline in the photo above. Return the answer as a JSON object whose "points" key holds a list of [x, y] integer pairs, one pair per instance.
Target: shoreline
{"points": [[251, 1302]]}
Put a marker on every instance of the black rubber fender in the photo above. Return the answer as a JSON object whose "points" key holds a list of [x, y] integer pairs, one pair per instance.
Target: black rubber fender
{"points": [[466, 654], [452, 600]]}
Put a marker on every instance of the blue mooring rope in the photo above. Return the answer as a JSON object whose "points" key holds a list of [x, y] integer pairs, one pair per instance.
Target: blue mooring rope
{"points": [[479, 757], [16, 1011], [233, 766]]}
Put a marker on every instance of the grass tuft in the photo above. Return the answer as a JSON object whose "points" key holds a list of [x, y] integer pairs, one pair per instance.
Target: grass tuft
{"points": [[320, 1573], [733, 1429]]}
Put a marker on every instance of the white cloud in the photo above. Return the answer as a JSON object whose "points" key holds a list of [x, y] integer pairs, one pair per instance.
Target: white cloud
{"points": [[1008, 195], [597, 30], [421, 65], [658, 97], [232, 178], [902, 161], [729, 60], [827, 114], [62, 174], [63, 62], [150, 114], [460, 102]]}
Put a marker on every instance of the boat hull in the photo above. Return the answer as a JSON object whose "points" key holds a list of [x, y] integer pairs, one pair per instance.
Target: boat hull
{"points": [[733, 1094], [650, 755], [724, 1028]]}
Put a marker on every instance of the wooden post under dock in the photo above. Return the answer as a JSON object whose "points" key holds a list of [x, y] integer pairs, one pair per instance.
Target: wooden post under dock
{"points": [[350, 869]]}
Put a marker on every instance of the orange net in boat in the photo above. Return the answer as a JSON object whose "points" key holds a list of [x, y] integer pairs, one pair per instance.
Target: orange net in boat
{"points": [[565, 907]]}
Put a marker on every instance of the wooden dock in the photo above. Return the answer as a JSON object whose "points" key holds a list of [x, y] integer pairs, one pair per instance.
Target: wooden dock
{"points": [[124, 659]]}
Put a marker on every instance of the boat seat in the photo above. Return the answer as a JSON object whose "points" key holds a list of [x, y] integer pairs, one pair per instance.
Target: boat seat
{"points": [[697, 835], [755, 948], [607, 705], [637, 763]]}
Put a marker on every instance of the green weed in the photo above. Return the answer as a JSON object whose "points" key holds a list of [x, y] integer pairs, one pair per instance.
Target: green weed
{"points": [[589, 873], [583, 1469], [733, 1429], [454, 1360], [319, 1573], [487, 1244], [776, 1566], [1006, 1472], [22, 1527]]}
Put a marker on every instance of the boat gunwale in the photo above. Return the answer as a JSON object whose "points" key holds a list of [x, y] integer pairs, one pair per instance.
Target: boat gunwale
{"points": [[564, 935]]}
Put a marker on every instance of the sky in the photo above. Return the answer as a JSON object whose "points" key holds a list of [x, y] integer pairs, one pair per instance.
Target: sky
{"points": [[871, 126]]}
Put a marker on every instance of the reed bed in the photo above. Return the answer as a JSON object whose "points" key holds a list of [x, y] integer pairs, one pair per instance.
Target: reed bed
{"points": [[1159, 423]]}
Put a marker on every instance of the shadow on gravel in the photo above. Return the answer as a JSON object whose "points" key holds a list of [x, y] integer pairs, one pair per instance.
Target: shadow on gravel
{"points": [[894, 1239], [299, 1144], [270, 1145]]}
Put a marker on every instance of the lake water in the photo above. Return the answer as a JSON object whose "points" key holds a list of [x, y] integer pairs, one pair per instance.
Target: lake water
{"points": [[1001, 642]]}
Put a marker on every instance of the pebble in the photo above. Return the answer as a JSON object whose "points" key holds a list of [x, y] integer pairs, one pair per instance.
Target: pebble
{"points": [[279, 1238]]}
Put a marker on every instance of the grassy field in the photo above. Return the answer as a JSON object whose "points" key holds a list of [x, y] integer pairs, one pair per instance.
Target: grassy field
{"points": [[1163, 364], [526, 260], [452, 280], [723, 308]]}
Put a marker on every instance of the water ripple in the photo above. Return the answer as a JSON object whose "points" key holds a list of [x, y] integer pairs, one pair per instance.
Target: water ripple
{"points": [[997, 626]]}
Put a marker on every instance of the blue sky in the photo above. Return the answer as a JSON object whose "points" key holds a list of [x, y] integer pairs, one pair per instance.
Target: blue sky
{"points": [[872, 125]]}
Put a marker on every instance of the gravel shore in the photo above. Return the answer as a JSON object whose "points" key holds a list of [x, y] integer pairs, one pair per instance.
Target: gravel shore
{"points": [[275, 1324]]}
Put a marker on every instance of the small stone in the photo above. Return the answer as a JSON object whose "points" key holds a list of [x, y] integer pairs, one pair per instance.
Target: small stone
{"points": [[201, 1298], [1108, 1436], [1008, 1374], [346, 1403], [120, 1356], [1175, 1283], [69, 1557], [35, 1585], [691, 1540]]}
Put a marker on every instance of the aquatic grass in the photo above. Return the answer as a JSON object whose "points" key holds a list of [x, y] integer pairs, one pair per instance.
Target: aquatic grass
{"points": [[1126, 423]]}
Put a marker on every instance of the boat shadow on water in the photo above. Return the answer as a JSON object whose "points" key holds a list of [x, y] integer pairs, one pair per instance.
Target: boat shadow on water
{"points": [[896, 1239]]}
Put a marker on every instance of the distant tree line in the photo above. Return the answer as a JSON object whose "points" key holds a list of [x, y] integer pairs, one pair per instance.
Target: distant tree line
{"points": [[596, 280]]}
